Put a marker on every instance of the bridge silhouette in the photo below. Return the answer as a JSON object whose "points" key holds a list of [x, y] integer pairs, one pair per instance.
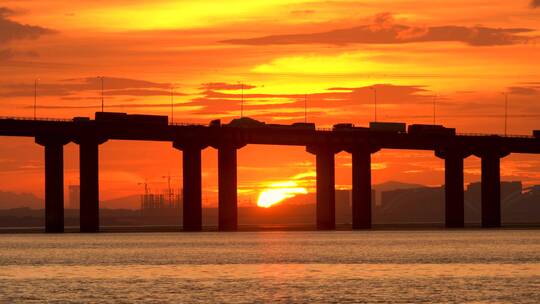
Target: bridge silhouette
{"points": [[191, 139]]}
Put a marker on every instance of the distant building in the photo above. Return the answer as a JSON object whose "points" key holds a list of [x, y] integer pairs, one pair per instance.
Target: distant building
{"points": [[427, 204], [508, 189], [74, 192], [163, 208], [344, 205], [535, 190], [416, 205]]}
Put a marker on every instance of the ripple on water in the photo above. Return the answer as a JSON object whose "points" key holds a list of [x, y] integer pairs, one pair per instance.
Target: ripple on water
{"points": [[374, 266]]}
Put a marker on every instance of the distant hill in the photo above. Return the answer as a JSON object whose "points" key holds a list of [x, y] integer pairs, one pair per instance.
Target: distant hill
{"points": [[127, 202], [10, 200], [393, 185]]}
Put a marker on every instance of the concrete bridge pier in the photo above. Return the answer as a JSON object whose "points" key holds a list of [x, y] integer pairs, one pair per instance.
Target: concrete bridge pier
{"points": [[192, 186], [89, 182], [326, 196], [227, 187], [454, 191], [491, 188], [54, 182], [361, 187]]}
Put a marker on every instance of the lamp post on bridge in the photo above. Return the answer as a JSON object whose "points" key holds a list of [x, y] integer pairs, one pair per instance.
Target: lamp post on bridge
{"points": [[434, 107], [172, 104], [305, 108], [102, 93], [35, 96], [505, 112], [242, 101], [374, 88]]}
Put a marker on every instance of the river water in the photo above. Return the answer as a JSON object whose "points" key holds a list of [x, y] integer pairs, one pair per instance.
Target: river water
{"points": [[475, 266]]}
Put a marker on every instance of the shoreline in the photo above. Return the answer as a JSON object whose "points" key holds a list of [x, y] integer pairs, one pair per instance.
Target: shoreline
{"points": [[265, 228]]}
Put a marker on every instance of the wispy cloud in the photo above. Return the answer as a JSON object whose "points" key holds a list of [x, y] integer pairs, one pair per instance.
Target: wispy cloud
{"points": [[11, 30], [384, 30], [222, 86], [113, 86]]}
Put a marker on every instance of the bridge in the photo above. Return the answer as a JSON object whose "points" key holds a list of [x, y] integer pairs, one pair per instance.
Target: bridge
{"points": [[227, 139]]}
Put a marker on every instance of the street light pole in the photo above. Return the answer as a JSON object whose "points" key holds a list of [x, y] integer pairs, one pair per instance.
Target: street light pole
{"points": [[505, 113], [434, 105], [35, 97], [242, 102], [375, 100], [305, 108], [172, 104], [102, 94]]}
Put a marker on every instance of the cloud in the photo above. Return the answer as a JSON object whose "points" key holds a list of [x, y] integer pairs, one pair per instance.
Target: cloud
{"points": [[5, 54], [8, 53], [524, 90], [303, 12], [226, 86], [342, 102], [11, 30], [334, 101], [535, 3], [178, 106], [384, 30], [5, 12], [113, 86]]}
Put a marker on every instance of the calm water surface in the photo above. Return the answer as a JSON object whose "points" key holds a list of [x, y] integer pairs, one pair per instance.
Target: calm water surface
{"points": [[501, 266]]}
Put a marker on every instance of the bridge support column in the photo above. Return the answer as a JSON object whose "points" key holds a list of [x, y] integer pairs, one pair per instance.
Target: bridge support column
{"points": [[453, 187], [227, 184], [491, 185], [89, 179], [454, 192], [192, 179], [54, 183], [326, 195], [192, 186], [491, 191], [361, 187]]}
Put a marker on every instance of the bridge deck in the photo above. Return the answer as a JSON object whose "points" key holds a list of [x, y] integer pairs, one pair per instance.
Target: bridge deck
{"points": [[214, 136]]}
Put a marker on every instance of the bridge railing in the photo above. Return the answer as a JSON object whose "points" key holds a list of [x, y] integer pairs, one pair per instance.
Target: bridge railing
{"points": [[183, 124], [500, 135], [36, 118], [201, 124]]}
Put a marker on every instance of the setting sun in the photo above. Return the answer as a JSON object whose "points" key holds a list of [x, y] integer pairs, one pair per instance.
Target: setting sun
{"points": [[277, 192]]}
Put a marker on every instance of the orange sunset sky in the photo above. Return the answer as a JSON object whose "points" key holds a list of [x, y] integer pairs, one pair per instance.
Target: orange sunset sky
{"points": [[463, 54]]}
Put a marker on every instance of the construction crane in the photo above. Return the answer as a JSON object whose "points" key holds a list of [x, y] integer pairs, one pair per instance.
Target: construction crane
{"points": [[169, 191]]}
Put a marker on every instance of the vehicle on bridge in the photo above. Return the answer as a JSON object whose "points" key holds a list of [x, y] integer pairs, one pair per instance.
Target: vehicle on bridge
{"points": [[536, 133], [341, 126], [124, 118], [389, 127], [348, 127], [215, 123], [246, 122], [294, 126], [110, 116], [303, 125], [80, 118], [420, 129], [279, 126], [148, 119]]}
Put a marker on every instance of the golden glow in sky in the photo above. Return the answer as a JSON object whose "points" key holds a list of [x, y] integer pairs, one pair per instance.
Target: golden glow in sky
{"points": [[277, 192]]}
